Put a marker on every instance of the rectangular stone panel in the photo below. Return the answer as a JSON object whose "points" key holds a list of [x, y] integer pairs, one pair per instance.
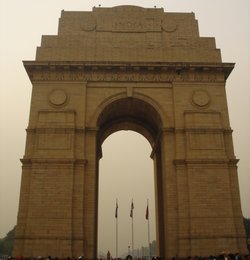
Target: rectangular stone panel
{"points": [[56, 119], [209, 191], [202, 119], [54, 141], [50, 189], [205, 141]]}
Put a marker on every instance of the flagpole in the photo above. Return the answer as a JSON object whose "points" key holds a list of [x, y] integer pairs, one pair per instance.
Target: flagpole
{"points": [[148, 232], [132, 237], [116, 215], [132, 205]]}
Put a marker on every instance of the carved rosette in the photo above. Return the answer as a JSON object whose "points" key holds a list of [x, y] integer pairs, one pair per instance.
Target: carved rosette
{"points": [[200, 98], [57, 97], [168, 26], [88, 23]]}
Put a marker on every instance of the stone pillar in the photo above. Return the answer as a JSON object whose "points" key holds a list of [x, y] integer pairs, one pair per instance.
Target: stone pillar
{"points": [[169, 203], [91, 196], [45, 213], [159, 199], [240, 231], [23, 208], [78, 208]]}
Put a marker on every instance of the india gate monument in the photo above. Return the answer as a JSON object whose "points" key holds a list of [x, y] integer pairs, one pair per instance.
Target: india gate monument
{"points": [[140, 69]]}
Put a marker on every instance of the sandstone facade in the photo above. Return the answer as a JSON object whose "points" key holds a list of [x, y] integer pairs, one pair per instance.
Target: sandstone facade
{"points": [[145, 70]]}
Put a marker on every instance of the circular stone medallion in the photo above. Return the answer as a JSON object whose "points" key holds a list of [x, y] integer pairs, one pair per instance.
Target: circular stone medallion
{"points": [[58, 97], [200, 98], [88, 23], [169, 26]]}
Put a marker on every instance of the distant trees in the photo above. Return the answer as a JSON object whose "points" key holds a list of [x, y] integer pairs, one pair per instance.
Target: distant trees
{"points": [[247, 227], [6, 244]]}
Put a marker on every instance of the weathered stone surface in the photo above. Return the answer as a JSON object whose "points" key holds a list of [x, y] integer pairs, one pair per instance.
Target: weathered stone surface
{"points": [[131, 68]]}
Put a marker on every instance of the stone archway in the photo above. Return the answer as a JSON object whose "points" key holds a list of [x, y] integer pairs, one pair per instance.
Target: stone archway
{"points": [[130, 114], [137, 115], [129, 68]]}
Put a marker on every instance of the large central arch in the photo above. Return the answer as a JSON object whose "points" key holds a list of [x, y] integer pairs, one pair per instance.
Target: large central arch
{"points": [[130, 114], [129, 68], [140, 116]]}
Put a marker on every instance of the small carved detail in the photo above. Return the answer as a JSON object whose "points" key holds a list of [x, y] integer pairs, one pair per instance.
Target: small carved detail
{"points": [[169, 26], [129, 92], [57, 97], [88, 23], [200, 98], [127, 76]]}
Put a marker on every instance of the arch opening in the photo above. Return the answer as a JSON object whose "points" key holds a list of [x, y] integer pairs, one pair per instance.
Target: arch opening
{"points": [[129, 114], [141, 117], [125, 168]]}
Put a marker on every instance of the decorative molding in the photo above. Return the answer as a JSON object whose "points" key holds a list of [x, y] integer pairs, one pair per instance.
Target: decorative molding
{"points": [[27, 161], [94, 129], [196, 130], [33, 237], [81, 161], [214, 236], [53, 130], [205, 161], [127, 72], [126, 76], [164, 129]]}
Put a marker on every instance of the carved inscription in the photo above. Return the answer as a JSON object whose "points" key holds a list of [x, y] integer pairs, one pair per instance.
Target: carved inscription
{"points": [[126, 76], [128, 25], [135, 25]]}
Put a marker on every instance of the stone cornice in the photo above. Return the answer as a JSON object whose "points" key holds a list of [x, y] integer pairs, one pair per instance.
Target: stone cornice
{"points": [[231, 162], [202, 130], [28, 161], [40, 71]]}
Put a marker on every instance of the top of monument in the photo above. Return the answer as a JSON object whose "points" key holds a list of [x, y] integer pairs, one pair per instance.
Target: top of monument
{"points": [[128, 33], [127, 7], [135, 8]]}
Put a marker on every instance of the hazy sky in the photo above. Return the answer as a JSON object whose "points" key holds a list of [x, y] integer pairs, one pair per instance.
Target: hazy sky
{"points": [[22, 23]]}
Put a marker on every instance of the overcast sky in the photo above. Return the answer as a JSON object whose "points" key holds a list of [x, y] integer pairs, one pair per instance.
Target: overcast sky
{"points": [[22, 23]]}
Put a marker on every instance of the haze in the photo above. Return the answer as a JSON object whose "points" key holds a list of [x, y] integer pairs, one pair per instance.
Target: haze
{"points": [[22, 23]]}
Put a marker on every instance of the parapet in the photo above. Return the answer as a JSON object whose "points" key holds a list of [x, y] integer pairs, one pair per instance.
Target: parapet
{"points": [[128, 33]]}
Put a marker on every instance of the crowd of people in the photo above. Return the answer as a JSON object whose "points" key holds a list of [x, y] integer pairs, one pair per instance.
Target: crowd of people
{"points": [[129, 257]]}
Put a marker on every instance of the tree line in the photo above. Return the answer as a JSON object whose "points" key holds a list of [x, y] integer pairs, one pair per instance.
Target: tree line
{"points": [[6, 243]]}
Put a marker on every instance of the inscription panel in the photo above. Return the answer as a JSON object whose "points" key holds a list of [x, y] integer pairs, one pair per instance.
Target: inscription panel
{"points": [[203, 119], [56, 119], [134, 76], [54, 141], [205, 141]]}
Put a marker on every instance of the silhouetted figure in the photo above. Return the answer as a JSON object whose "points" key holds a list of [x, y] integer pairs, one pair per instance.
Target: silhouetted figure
{"points": [[129, 257], [108, 256]]}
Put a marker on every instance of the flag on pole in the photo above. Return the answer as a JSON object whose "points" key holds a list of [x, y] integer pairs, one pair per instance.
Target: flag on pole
{"points": [[131, 210], [147, 213], [116, 210]]}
